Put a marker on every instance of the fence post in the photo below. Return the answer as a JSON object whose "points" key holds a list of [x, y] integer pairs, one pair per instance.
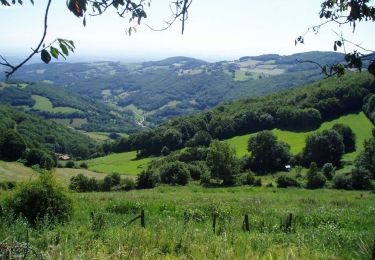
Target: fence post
{"points": [[214, 223], [288, 224], [143, 222], [246, 225]]}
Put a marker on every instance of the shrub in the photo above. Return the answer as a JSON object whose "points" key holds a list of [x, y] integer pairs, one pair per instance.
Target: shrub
{"points": [[147, 180], [258, 182], [174, 173], [284, 181], [82, 183], [41, 200], [342, 181], [84, 165], [12, 145], [360, 178], [323, 147], [70, 164], [328, 170], [110, 181], [197, 169], [315, 179], [247, 178]]}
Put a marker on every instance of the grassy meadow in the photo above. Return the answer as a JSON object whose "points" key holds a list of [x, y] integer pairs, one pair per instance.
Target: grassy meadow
{"points": [[327, 224], [44, 104], [123, 163], [15, 171], [359, 123]]}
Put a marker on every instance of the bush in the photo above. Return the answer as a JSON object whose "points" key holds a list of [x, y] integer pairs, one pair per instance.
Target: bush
{"points": [[70, 164], [315, 179], [110, 181], [147, 180], [174, 173], [43, 158], [197, 169], [360, 178], [41, 200], [342, 181], [284, 181], [258, 182], [328, 170], [247, 178], [12, 146], [82, 183], [83, 165]]}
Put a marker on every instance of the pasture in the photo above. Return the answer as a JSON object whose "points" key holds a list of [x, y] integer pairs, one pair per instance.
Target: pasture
{"points": [[359, 123], [326, 224], [44, 104], [123, 163]]}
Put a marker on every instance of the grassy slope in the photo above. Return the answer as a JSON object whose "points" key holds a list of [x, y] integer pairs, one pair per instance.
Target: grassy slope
{"points": [[14, 171], [359, 123], [328, 224], [44, 104], [123, 163]]}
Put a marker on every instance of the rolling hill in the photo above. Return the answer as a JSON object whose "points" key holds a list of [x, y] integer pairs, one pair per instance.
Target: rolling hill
{"points": [[55, 103], [156, 91]]}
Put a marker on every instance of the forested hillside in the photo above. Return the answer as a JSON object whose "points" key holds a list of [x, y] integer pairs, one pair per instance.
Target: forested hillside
{"points": [[300, 109], [32, 132], [53, 102], [159, 90]]}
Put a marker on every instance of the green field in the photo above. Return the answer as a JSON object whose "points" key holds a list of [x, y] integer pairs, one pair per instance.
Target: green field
{"points": [[102, 136], [123, 163], [44, 104], [14, 171], [72, 122], [359, 123], [327, 224]]}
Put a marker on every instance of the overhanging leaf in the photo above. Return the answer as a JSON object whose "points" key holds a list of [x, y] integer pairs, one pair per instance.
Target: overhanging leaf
{"points": [[45, 56]]}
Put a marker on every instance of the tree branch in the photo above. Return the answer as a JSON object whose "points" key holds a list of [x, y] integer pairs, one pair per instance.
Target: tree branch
{"points": [[14, 68]]}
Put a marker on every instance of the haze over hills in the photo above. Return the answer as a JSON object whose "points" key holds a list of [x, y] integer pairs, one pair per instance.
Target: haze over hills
{"points": [[155, 91]]}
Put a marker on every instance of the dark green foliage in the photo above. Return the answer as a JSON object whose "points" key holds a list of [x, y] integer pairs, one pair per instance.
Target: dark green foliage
{"points": [[201, 138], [147, 180], [12, 145], [82, 183], [361, 179], [174, 173], [323, 147], [285, 181], [41, 200], [41, 157], [366, 159], [83, 165], [165, 151], [70, 164], [328, 170], [7, 185], [315, 179], [247, 178], [347, 135], [369, 107], [267, 154], [111, 180], [342, 181], [45, 135], [223, 163], [197, 169]]}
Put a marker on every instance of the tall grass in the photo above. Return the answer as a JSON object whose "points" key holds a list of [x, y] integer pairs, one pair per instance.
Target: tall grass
{"points": [[327, 224]]}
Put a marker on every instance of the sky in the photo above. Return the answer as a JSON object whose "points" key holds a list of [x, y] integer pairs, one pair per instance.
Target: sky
{"points": [[216, 30]]}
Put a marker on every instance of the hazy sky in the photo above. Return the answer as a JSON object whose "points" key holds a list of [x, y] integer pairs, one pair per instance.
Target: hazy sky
{"points": [[216, 30]]}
